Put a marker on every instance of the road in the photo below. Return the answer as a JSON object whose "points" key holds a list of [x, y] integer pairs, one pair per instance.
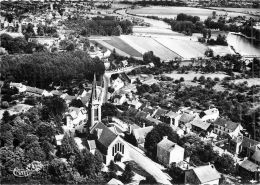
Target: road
{"points": [[148, 165]]}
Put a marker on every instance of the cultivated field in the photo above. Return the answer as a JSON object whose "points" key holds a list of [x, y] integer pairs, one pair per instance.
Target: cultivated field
{"points": [[111, 48], [123, 46], [186, 49], [171, 12], [221, 50], [149, 44], [154, 31], [191, 75]]}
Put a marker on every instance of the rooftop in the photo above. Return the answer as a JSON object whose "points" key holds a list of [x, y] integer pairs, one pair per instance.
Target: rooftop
{"points": [[256, 156], [141, 114], [160, 112], [172, 114], [227, 124], [140, 133], [186, 118], [248, 165], [206, 173], [169, 145], [201, 124]]}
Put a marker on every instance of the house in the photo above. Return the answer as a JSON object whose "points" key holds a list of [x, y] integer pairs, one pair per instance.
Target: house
{"points": [[185, 118], [150, 111], [82, 93], [67, 98], [141, 114], [114, 181], [209, 115], [169, 152], [159, 112], [140, 134], [46, 93], [178, 130], [156, 121], [256, 157], [135, 103], [251, 167], [112, 146], [222, 126], [171, 118], [56, 93], [198, 125], [132, 127], [202, 175], [21, 88], [33, 91], [75, 116], [119, 99], [243, 145]]}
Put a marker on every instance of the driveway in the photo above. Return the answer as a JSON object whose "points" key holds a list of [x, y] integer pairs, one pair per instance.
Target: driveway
{"points": [[148, 165]]}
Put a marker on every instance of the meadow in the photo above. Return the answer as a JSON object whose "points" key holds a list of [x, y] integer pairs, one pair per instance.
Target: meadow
{"points": [[184, 48], [150, 44], [172, 12]]}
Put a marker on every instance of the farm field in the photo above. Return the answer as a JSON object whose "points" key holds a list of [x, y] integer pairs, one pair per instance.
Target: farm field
{"points": [[123, 46], [149, 44], [155, 30], [221, 50], [191, 75], [110, 47], [171, 12], [186, 49], [236, 9]]}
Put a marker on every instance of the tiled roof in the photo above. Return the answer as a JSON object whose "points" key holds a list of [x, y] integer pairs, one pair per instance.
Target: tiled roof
{"points": [[169, 145], [201, 124], [172, 114], [186, 118], [160, 112], [56, 92], [106, 136], [256, 156], [115, 182], [34, 90], [247, 143], [248, 165], [206, 173], [68, 97], [153, 120], [141, 133], [227, 124], [141, 114], [148, 110]]}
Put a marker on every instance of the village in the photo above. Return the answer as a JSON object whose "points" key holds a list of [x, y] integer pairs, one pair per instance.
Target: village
{"points": [[92, 105]]}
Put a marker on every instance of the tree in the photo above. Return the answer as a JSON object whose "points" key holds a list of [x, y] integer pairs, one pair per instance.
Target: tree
{"points": [[112, 170], [214, 13], [6, 116], [109, 109], [209, 53], [225, 164], [76, 103], [68, 146], [181, 79], [128, 173], [204, 33], [5, 104], [30, 101], [35, 153], [157, 134]]}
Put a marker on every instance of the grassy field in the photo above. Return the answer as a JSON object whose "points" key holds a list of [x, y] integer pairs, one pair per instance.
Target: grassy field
{"points": [[186, 49], [191, 75], [221, 50], [123, 46], [171, 12], [149, 44]]}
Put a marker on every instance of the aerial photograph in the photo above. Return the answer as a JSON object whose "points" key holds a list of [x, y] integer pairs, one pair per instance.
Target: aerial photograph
{"points": [[130, 92]]}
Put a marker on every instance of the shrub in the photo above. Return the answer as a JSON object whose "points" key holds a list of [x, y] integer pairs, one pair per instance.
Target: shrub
{"points": [[181, 79], [216, 79], [30, 101], [5, 104]]}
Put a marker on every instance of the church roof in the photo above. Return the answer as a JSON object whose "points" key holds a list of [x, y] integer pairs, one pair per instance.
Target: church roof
{"points": [[106, 136]]}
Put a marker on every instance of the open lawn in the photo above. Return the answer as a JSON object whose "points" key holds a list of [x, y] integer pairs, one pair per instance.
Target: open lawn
{"points": [[123, 46], [149, 44], [15, 109], [221, 50], [191, 75], [184, 48]]}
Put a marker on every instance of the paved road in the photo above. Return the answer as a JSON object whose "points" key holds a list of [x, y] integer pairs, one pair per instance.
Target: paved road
{"points": [[148, 165]]}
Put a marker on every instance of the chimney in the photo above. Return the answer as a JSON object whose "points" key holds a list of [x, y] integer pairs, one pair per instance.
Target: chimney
{"points": [[143, 125], [130, 128], [165, 137]]}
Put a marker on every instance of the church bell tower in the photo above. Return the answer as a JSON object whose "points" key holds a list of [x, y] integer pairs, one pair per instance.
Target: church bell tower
{"points": [[94, 107]]}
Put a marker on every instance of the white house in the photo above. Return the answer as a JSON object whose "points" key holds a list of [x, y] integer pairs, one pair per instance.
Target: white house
{"points": [[222, 126], [19, 86], [169, 152], [75, 116], [209, 115]]}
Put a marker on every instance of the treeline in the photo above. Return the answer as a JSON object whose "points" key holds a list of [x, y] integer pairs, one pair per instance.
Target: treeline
{"points": [[185, 23], [104, 6], [100, 26], [19, 45], [41, 69]]}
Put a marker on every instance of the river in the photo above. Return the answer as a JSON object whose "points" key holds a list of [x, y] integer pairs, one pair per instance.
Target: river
{"points": [[242, 45]]}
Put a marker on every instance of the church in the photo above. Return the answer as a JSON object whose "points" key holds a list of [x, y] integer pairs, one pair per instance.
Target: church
{"points": [[108, 142]]}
